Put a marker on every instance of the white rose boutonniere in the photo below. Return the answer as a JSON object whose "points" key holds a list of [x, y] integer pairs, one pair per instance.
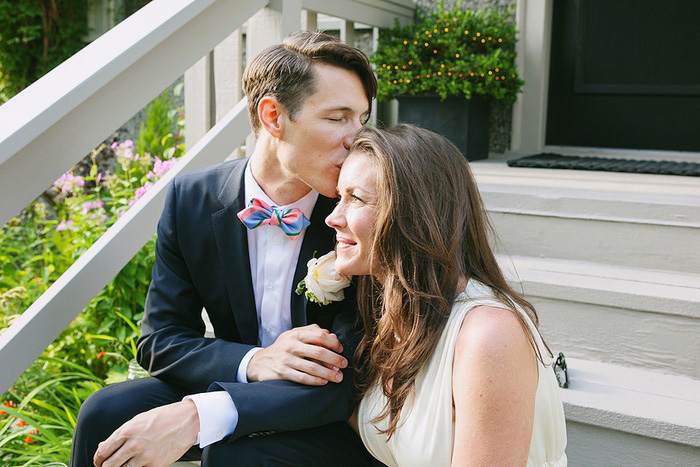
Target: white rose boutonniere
{"points": [[322, 283]]}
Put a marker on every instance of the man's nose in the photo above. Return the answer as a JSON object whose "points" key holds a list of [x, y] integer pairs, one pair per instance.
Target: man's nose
{"points": [[347, 141], [350, 136]]}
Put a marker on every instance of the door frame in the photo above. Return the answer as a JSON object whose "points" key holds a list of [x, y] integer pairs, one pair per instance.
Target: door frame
{"points": [[534, 23]]}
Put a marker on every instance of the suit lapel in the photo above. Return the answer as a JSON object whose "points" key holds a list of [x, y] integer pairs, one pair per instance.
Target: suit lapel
{"points": [[318, 239], [232, 245]]}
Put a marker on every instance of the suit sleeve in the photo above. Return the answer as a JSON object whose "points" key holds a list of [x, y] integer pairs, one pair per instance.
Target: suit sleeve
{"points": [[286, 406], [172, 345]]}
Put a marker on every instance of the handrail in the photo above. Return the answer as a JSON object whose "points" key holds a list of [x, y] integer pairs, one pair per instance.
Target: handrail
{"points": [[44, 320], [56, 121]]}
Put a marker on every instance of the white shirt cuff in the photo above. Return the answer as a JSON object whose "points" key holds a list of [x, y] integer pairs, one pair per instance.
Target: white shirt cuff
{"points": [[218, 416], [242, 375]]}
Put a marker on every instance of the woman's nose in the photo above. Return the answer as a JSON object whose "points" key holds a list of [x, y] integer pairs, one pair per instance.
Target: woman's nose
{"points": [[335, 219]]}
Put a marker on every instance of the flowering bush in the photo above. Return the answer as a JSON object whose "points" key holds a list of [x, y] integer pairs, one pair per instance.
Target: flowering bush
{"points": [[450, 52], [37, 247]]}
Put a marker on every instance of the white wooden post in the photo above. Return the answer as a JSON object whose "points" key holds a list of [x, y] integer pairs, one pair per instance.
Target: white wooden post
{"points": [[347, 32], [375, 43], [100, 18], [199, 105], [309, 20], [268, 27], [212, 88], [228, 66], [534, 20]]}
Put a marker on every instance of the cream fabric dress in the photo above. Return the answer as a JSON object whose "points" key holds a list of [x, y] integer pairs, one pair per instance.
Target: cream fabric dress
{"points": [[425, 435]]}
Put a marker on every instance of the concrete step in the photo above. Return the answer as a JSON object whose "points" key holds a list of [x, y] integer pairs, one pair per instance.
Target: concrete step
{"points": [[635, 220], [633, 317], [629, 417]]}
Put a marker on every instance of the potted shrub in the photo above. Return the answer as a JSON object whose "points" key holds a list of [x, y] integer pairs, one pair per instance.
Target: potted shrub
{"points": [[446, 67]]}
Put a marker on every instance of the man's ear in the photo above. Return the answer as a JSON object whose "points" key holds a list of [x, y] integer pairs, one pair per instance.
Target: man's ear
{"points": [[270, 114]]}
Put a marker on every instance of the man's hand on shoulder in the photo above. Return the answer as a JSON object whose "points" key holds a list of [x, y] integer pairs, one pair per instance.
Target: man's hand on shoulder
{"points": [[154, 438], [308, 355]]}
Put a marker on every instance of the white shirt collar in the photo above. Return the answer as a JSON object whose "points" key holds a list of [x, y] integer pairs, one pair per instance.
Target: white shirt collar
{"points": [[253, 190]]}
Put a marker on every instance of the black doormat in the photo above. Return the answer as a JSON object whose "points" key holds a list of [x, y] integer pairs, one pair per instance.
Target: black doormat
{"points": [[557, 161]]}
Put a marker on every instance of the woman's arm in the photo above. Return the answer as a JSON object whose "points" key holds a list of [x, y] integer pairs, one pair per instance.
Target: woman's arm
{"points": [[494, 384]]}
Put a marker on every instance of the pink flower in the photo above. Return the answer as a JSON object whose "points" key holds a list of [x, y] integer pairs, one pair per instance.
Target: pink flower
{"points": [[138, 194], [100, 219], [161, 167], [99, 178], [64, 226], [68, 182], [124, 150], [92, 205]]}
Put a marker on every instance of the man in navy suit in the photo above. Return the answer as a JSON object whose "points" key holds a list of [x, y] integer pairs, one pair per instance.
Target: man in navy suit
{"points": [[278, 363]]}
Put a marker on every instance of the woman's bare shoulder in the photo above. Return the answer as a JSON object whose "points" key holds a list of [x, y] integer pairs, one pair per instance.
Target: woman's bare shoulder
{"points": [[494, 332]]}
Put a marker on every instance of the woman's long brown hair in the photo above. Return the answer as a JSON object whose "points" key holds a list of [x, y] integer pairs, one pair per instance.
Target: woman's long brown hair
{"points": [[431, 230]]}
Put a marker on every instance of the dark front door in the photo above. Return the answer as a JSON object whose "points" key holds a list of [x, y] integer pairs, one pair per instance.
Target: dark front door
{"points": [[625, 74]]}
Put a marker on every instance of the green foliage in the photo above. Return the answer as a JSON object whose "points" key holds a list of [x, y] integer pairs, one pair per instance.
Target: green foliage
{"points": [[450, 53], [35, 36], [36, 426], [156, 132], [41, 244]]}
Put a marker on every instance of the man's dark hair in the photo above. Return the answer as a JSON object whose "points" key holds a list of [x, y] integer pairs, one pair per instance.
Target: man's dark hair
{"points": [[285, 71]]}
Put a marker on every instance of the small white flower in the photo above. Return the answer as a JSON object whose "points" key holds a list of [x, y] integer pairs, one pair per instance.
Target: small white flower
{"points": [[323, 283]]}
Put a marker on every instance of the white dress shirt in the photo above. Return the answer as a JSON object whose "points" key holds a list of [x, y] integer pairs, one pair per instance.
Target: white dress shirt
{"points": [[273, 260]]}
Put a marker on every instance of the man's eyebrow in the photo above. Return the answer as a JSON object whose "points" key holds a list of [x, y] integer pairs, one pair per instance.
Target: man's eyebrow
{"points": [[344, 108]]}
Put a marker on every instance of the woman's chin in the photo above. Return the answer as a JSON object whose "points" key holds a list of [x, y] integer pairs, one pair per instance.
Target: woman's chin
{"points": [[342, 269], [345, 268]]}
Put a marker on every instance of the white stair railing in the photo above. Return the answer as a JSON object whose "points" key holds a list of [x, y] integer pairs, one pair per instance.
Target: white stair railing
{"points": [[52, 124]]}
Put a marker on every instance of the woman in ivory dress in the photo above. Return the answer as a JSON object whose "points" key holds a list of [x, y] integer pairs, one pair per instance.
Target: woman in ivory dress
{"points": [[454, 371]]}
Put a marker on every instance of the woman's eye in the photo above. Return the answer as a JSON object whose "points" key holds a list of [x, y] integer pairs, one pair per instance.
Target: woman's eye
{"points": [[335, 119]]}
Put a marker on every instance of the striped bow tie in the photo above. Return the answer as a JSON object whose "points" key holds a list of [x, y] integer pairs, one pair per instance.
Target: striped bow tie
{"points": [[291, 221]]}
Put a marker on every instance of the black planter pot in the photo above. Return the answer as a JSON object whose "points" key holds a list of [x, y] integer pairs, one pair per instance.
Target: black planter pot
{"points": [[465, 122]]}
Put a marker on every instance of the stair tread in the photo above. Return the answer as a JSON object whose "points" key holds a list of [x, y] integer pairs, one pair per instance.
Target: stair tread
{"points": [[498, 172], [636, 288], [659, 200], [634, 400]]}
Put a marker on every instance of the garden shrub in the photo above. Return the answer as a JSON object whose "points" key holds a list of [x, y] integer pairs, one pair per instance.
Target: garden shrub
{"points": [[36, 36], [38, 416]]}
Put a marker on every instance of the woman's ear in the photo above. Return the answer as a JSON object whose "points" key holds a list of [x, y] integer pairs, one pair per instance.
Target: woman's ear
{"points": [[270, 115]]}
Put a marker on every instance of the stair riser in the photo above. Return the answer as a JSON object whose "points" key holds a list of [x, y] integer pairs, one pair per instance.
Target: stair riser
{"points": [[662, 342], [636, 245], [594, 446]]}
